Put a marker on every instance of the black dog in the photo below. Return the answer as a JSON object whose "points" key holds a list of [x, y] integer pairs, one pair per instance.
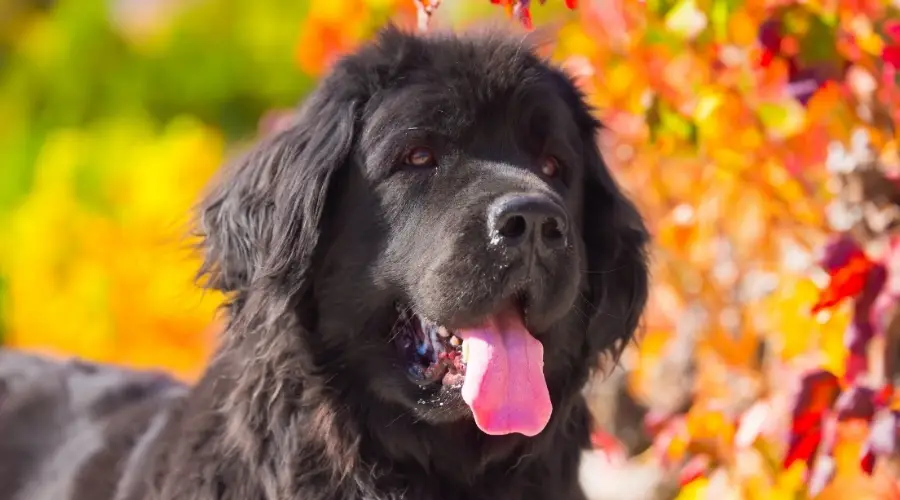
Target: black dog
{"points": [[424, 271]]}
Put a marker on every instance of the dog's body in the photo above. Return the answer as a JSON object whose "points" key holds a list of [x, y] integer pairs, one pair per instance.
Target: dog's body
{"points": [[423, 272]]}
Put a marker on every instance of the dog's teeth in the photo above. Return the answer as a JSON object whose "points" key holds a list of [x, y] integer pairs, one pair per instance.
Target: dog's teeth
{"points": [[455, 341], [443, 332]]}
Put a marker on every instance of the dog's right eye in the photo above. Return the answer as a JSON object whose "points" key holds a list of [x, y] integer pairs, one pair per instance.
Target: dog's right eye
{"points": [[420, 157]]}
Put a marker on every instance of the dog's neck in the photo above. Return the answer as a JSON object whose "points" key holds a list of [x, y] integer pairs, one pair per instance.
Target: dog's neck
{"points": [[289, 428]]}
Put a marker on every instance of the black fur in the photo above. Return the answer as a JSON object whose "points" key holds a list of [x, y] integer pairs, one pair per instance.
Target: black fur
{"points": [[320, 230]]}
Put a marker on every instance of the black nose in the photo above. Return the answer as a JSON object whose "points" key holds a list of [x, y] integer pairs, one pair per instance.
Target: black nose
{"points": [[524, 220]]}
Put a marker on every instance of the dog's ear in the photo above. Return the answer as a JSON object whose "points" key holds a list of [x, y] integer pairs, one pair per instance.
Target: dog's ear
{"points": [[616, 242], [263, 217]]}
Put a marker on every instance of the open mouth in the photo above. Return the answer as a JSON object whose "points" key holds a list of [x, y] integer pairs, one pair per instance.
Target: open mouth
{"points": [[433, 353], [497, 366]]}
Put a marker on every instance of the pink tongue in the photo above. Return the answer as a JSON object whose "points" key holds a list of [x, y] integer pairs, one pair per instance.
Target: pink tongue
{"points": [[504, 384]]}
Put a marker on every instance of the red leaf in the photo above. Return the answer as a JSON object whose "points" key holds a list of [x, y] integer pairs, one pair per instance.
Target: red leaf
{"points": [[804, 447], [525, 16], [856, 364], [867, 462], [607, 443], [818, 392], [846, 281], [693, 470], [892, 30], [891, 55], [806, 423], [572, 4], [856, 403], [603, 440], [838, 251], [766, 58], [884, 395]]}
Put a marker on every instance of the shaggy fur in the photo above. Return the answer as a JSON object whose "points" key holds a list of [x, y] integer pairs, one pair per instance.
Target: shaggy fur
{"points": [[316, 235]]}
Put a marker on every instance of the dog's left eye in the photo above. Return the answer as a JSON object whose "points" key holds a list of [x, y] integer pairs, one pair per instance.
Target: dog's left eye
{"points": [[420, 157], [550, 166]]}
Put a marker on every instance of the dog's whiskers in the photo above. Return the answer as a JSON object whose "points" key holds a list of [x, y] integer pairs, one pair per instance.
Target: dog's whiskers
{"points": [[399, 416], [578, 309], [608, 271]]}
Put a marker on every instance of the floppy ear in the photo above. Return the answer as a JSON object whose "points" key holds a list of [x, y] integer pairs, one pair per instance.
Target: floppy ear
{"points": [[616, 245], [263, 218]]}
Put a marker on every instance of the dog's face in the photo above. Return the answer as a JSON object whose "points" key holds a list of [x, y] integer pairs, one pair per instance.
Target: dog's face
{"points": [[441, 219]]}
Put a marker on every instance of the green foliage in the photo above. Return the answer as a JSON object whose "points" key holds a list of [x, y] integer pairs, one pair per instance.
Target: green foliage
{"points": [[123, 73], [225, 62]]}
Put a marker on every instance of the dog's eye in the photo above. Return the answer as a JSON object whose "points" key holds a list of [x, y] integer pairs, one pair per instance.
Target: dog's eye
{"points": [[550, 166], [420, 157]]}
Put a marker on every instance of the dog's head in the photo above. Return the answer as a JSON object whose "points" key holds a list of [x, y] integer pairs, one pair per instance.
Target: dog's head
{"points": [[441, 221]]}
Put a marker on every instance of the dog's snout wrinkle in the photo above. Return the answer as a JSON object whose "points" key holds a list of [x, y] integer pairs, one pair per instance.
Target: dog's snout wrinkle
{"points": [[530, 223]]}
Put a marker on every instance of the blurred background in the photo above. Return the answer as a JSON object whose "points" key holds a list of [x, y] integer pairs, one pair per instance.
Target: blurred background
{"points": [[758, 137]]}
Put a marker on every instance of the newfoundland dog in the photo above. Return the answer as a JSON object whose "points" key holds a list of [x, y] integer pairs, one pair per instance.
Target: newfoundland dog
{"points": [[423, 271]]}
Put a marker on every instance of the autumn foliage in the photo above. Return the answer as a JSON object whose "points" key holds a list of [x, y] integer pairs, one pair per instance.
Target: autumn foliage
{"points": [[758, 137]]}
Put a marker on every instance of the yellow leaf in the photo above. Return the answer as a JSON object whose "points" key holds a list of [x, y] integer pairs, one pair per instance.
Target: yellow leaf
{"points": [[695, 490], [709, 101], [783, 119], [574, 41], [870, 42], [792, 479], [686, 19], [620, 79]]}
